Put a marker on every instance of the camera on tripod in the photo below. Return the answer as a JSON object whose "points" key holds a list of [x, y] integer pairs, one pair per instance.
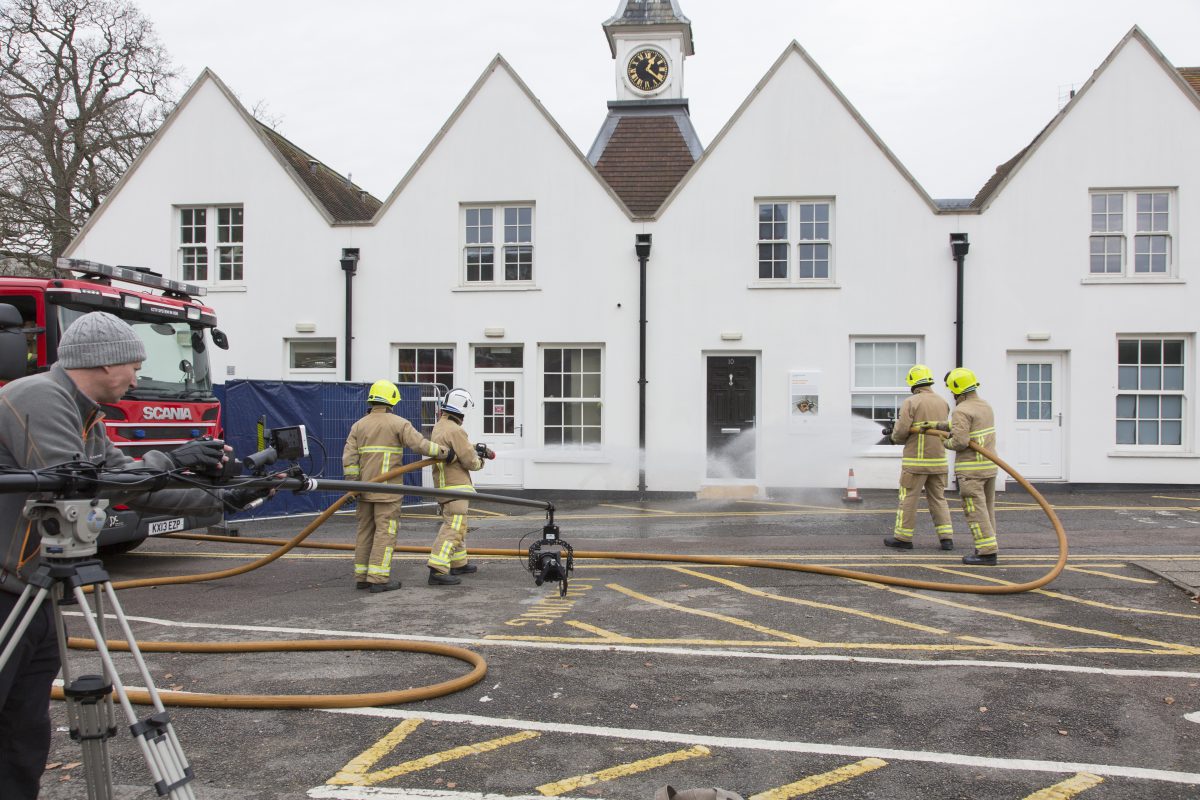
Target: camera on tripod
{"points": [[281, 444], [551, 559]]}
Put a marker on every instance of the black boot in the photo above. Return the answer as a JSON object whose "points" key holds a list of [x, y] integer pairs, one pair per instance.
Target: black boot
{"points": [[390, 586], [361, 585], [465, 569], [439, 579], [988, 560], [947, 544], [899, 544]]}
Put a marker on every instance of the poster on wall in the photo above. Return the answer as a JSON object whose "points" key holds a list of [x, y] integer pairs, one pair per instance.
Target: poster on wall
{"points": [[804, 396]]}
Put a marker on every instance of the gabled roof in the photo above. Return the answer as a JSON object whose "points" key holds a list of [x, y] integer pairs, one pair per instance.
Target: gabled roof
{"points": [[341, 199], [337, 207], [795, 49], [661, 14], [497, 63], [644, 149], [1187, 79]]}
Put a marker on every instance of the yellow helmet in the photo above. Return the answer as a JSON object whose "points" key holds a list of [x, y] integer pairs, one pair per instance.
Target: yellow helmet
{"points": [[383, 392], [961, 380], [919, 375]]}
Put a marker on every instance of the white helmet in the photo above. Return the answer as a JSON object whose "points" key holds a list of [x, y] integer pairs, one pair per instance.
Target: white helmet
{"points": [[457, 401]]}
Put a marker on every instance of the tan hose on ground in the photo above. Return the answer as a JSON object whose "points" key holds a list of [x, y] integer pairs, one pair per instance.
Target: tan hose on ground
{"points": [[480, 666]]}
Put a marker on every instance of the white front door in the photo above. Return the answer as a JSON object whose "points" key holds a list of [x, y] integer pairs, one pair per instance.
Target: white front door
{"points": [[498, 424], [1038, 382]]}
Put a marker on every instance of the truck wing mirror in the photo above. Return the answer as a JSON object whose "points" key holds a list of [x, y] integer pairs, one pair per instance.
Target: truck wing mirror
{"points": [[220, 339], [13, 350]]}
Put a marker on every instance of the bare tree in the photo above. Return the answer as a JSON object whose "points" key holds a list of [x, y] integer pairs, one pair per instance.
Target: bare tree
{"points": [[83, 86]]}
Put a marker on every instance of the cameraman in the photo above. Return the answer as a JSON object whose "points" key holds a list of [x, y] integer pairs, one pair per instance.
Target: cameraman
{"points": [[50, 419]]}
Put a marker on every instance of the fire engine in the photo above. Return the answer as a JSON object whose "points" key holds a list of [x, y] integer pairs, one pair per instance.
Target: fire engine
{"points": [[173, 401]]}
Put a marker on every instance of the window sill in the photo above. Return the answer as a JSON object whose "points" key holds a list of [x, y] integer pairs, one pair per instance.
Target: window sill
{"points": [[786, 285], [497, 287], [571, 457], [1097, 280], [1152, 454]]}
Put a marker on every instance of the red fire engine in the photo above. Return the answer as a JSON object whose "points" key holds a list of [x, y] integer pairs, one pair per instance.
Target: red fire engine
{"points": [[173, 401]]}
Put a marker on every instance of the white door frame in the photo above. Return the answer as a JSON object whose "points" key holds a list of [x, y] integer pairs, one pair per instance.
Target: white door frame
{"points": [[504, 471], [1037, 448]]}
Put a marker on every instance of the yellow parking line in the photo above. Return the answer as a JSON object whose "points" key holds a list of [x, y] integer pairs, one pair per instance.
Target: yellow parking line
{"points": [[358, 771], [1180, 648], [620, 771], [1171, 497], [606, 635], [814, 782], [1069, 788], [741, 623], [810, 603], [635, 508], [1111, 575]]}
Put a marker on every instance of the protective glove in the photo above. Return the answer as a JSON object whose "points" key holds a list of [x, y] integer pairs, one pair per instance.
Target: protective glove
{"points": [[199, 455], [244, 497], [943, 426], [483, 451], [887, 431]]}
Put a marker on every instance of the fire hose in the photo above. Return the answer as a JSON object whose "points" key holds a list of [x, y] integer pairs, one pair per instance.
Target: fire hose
{"points": [[477, 661]]}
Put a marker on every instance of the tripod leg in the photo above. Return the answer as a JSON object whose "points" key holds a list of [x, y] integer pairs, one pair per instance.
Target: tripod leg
{"points": [[155, 735], [32, 597], [90, 717]]}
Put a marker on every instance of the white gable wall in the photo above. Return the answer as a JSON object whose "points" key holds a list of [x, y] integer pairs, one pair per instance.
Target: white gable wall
{"points": [[1126, 131]]}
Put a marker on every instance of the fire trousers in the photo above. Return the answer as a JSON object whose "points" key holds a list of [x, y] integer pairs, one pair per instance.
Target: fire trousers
{"points": [[377, 525], [25, 703], [979, 504], [450, 549], [911, 484]]}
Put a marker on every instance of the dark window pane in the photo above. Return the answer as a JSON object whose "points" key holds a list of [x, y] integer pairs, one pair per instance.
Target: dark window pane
{"points": [[1151, 351], [1127, 352]]}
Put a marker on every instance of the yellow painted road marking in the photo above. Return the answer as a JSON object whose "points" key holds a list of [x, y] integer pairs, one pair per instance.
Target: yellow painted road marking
{"points": [[811, 603], [741, 623], [358, 771], [635, 508], [1111, 575], [1181, 648], [1069, 788], [1072, 598], [606, 635], [592, 778], [1171, 497], [814, 782]]}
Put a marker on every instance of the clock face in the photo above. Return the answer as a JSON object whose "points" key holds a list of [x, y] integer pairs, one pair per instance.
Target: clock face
{"points": [[647, 69]]}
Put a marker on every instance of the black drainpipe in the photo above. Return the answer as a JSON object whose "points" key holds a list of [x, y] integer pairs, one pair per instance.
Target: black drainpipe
{"points": [[349, 264], [959, 246], [642, 248]]}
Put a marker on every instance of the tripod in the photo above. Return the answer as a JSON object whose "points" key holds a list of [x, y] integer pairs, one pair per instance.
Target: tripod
{"points": [[69, 529]]}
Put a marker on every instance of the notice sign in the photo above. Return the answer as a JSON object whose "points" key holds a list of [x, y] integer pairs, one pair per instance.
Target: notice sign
{"points": [[804, 396]]}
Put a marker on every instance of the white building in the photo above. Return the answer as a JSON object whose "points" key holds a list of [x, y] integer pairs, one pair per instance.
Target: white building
{"points": [[794, 270]]}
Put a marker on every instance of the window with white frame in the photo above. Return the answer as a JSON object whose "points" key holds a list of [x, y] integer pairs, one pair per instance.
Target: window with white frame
{"points": [[795, 241], [571, 395], [1150, 391], [312, 355], [1131, 233], [211, 244], [501, 234], [878, 369], [425, 364]]}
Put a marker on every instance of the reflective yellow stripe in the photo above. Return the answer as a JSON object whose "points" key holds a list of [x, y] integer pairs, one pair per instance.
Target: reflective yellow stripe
{"points": [[925, 462], [380, 449]]}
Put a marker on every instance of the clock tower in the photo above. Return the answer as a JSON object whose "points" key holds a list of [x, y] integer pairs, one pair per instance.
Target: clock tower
{"points": [[649, 40], [647, 143]]}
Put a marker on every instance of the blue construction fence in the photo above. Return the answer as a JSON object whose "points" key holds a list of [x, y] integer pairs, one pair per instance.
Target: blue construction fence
{"points": [[327, 410]]}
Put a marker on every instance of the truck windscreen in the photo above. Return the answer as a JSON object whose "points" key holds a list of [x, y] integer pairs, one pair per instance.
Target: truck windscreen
{"points": [[176, 365]]}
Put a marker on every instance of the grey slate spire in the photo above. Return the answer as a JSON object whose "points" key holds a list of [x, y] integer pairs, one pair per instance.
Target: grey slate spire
{"points": [[646, 13]]}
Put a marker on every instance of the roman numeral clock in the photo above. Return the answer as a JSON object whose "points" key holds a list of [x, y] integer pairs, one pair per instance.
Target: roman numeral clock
{"points": [[647, 70]]}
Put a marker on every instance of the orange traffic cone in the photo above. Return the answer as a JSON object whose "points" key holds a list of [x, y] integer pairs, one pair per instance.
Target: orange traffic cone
{"points": [[851, 495]]}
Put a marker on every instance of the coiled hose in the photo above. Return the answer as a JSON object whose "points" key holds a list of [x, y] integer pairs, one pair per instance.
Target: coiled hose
{"points": [[477, 661]]}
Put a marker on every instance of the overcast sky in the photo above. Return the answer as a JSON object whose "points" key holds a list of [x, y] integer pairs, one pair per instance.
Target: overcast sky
{"points": [[952, 87]]}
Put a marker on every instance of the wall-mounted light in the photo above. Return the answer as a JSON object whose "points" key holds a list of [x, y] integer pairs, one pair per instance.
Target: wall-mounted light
{"points": [[731, 336], [493, 333], [1038, 336], [306, 327]]}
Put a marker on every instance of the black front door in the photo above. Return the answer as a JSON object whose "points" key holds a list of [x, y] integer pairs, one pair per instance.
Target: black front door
{"points": [[731, 402]]}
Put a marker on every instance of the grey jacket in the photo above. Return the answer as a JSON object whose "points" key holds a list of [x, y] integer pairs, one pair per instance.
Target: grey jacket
{"points": [[46, 421]]}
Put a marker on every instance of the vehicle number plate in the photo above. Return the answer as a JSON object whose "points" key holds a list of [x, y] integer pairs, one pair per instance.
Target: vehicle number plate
{"points": [[166, 526]]}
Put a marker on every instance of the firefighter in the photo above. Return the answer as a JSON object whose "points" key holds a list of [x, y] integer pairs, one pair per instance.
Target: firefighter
{"points": [[924, 463], [974, 421], [376, 445], [448, 556]]}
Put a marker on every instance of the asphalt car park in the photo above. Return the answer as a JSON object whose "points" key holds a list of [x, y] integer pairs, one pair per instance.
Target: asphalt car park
{"points": [[773, 684]]}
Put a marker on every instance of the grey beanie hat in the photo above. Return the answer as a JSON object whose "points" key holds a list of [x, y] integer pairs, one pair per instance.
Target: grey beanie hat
{"points": [[99, 339]]}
